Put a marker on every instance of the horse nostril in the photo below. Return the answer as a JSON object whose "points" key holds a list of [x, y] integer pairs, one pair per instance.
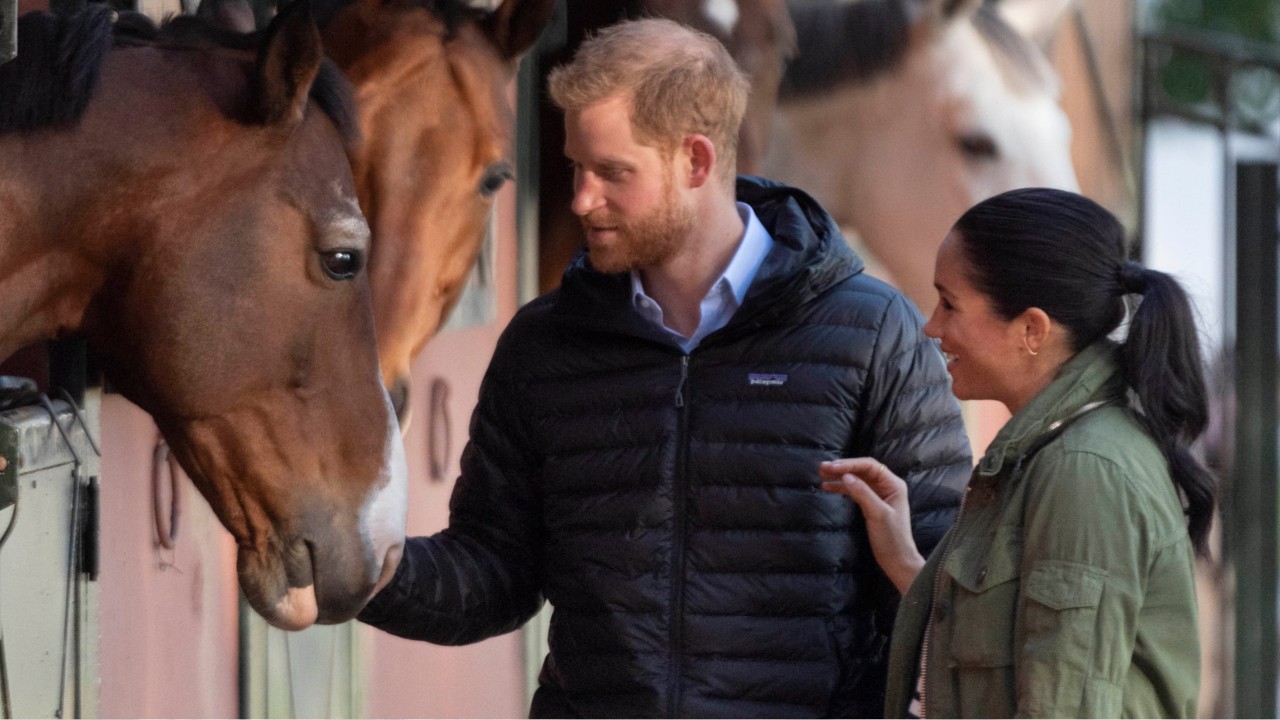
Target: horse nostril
{"points": [[400, 399]]}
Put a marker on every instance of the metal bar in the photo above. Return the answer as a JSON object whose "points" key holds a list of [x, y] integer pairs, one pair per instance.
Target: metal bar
{"points": [[30, 428], [8, 30], [1253, 484], [1202, 115], [1235, 49], [1224, 61]]}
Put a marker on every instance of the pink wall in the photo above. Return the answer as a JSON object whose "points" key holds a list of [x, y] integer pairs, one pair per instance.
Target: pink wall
{"points": [[168, 624]]}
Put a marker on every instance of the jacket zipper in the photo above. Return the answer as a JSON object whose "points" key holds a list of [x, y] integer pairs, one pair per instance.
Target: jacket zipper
{"points": [[684, 376], [677, 561], [937, 595]]}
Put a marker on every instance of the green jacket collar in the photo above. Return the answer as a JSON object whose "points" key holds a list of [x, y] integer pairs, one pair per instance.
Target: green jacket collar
{"points": [[1092, 374]]}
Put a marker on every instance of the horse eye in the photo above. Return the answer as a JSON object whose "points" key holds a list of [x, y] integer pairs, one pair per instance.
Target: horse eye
{"points": [[341, 264], [495, 176], [978, 146]]}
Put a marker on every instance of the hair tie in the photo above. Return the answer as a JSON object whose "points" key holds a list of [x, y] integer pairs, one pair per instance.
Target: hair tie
{"points": [[1133, 277]]}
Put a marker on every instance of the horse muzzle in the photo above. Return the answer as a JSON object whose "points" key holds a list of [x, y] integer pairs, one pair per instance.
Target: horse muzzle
{"points": [[330, 563]]}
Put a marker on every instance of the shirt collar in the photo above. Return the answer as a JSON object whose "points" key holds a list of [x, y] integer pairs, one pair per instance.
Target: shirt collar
{"points": [[756, 244]]}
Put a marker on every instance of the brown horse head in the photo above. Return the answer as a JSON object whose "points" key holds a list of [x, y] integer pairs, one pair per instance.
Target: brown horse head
{"points": [[432, 82], [196, 218]]}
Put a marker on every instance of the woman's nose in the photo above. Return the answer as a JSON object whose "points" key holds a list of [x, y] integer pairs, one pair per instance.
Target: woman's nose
{"points": [[931, 327]]}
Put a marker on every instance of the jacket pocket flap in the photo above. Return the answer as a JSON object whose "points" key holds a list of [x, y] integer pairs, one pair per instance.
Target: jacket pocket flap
{"points": [[1060, 584], [976, 567]]}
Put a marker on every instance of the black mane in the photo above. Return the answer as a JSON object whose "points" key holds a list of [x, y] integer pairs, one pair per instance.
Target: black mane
{"points": [[60, 59]]}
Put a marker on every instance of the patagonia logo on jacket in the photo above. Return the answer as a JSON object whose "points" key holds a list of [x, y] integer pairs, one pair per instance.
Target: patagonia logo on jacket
{"points": [[766, 378]]}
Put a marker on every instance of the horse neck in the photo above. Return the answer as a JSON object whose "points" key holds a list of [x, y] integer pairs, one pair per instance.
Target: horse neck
{"points": [[47, 276], [64, 193]]}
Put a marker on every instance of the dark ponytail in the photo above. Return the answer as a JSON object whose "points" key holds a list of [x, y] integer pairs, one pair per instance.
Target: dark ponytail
{"points": [[1065, 254], [1162, 363]]}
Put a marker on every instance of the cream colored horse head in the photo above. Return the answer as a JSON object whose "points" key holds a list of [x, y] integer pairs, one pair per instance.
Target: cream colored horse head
{"points": [[896, 138]]}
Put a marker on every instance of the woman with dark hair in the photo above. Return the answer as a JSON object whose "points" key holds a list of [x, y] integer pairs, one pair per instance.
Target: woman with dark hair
{"points": [[1065, 586]]}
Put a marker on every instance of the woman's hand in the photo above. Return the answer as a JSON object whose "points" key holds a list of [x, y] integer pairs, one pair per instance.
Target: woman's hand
{"points": [[883, 499]]}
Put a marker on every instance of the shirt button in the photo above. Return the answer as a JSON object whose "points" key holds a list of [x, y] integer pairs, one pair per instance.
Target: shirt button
{"points": [[982, 575]]}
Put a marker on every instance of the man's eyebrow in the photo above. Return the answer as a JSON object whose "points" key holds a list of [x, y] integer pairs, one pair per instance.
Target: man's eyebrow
{"points": [[614, 164]]}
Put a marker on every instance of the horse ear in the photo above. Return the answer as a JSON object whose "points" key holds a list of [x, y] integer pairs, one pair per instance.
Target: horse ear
{"points": [[234, 15], [516, 24], [288, 61], [1036, 20]]}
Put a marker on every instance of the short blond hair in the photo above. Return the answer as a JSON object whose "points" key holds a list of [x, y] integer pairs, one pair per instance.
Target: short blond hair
{"points": [[680, 82]]}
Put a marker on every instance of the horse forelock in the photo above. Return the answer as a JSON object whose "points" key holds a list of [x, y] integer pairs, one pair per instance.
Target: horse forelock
{"points": [[844, 43], [1021, 63], [332, 92], [53, 78]]}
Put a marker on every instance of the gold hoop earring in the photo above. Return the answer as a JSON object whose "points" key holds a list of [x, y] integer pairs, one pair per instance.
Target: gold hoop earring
{"points": [[1027, 345]]}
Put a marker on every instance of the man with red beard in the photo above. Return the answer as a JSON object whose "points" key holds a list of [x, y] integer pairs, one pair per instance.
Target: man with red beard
{"points": [[645, 450]]}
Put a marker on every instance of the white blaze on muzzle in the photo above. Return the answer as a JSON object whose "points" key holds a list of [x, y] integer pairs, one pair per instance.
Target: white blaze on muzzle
{"points": [[382, 519]]}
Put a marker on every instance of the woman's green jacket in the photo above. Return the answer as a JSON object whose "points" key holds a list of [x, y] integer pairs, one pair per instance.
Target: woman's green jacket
{"points": [[1065, 587]]}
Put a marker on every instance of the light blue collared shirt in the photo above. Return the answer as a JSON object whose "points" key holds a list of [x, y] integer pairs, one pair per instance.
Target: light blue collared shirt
{"points": [[726, 293]]}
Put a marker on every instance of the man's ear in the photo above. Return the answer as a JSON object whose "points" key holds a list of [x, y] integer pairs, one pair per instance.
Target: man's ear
{"points": [[702, 159]]}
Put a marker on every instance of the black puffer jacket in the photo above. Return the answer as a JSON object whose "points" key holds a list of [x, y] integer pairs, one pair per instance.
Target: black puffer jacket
{"points": [[668, 505]]}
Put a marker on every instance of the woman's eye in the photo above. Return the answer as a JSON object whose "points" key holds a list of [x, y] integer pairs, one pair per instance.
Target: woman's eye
{"points": [[341, 264]]}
